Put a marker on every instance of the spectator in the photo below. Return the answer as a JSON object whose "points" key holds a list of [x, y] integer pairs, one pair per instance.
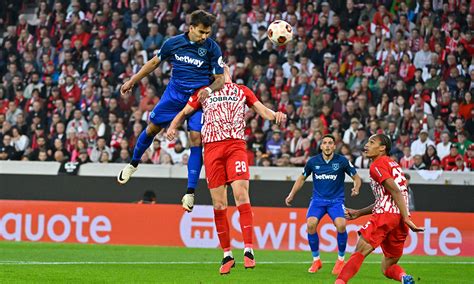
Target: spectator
{"points": [[407, 161], [448, 163], [418, 147], [418, 163], [273, 146], [98, 151]]}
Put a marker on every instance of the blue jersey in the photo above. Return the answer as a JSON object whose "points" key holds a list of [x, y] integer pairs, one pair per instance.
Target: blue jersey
{"points": [[328, 177], [193, 63]]}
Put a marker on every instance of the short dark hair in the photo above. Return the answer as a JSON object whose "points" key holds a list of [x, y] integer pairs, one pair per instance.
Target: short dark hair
{"points": [[329, 136], [385, 141], [202, 17]]}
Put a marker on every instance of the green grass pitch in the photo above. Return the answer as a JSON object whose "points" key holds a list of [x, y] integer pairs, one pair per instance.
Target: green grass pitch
{"points": [[73, 263]]}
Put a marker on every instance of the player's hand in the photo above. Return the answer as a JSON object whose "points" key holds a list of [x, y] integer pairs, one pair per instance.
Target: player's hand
{"points": [[203, 95], [126, 87], [354, 191], [280, 117], [351, 214], [171, 134], [412, 225], [288, 200]]}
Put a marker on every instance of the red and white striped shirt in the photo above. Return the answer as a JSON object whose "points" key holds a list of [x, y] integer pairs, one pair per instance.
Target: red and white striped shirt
{"points": [[223, 112], [382, 169]]}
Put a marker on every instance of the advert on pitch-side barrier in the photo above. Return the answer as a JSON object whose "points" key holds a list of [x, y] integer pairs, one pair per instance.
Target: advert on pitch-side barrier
{"points": [[167, 225]]}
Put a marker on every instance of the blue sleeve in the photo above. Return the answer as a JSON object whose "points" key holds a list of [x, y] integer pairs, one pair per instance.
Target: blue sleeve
{"points": [[349, 168], [217, 63], [165, 50], [308, 169]]}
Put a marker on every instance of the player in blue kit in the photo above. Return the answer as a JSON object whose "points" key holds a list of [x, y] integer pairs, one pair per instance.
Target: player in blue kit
{"points": [[328, 171], [196, 60]]}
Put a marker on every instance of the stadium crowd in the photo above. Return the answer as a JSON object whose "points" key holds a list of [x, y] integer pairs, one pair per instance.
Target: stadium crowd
{"points": [[354, 68]]}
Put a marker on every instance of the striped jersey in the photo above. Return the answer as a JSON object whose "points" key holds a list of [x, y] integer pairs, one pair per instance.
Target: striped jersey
{"points": [[224, 112], [382, 169]]}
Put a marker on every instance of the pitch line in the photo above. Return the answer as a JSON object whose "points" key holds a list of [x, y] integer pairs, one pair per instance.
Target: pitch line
{"points": [[16, 262]]}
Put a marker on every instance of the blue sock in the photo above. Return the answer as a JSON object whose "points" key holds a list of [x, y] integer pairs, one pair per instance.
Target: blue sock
{"points": [[341, 243], [194, 166], [143, 142], [313, 240]]}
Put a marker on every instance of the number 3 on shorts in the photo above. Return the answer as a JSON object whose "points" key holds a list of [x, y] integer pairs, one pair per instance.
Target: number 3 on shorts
{"points": [[240, 166]]}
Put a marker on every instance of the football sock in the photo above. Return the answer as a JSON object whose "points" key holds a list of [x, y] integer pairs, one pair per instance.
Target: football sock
{"points": [[313, 240], [190, 191], [351, 267], [247, 249], [194, 166], [143, 142], [395, 272], [341, 244], [246, 224], [228, 253], [222, 228]]}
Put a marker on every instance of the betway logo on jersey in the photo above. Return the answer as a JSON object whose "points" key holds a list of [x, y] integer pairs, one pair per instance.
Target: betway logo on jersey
{"points": [[189, 60], [325, 177]]}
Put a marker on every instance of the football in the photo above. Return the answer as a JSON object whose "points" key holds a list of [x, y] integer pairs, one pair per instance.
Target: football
{"points": [[280, 32]]}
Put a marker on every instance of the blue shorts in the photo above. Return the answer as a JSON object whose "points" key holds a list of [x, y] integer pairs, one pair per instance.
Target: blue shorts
{"points": [[319, 207], [171, 103]]}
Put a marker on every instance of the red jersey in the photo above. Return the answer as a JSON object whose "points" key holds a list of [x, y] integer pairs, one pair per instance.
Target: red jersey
{"points": [[224, 112], [382, 169]]}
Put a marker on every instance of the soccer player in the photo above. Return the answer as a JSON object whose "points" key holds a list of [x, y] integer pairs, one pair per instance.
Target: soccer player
{"points": [[328, 170], [390, 220], [225, 158], [195, 59]]}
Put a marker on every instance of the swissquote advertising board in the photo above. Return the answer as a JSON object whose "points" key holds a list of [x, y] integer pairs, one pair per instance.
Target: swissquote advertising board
{"points": [[450, 234]]}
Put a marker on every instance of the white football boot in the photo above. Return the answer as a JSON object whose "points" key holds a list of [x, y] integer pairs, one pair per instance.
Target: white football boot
{"points": [[126, 173]]}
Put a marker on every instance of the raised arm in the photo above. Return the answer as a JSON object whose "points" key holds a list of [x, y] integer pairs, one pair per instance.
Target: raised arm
{"points": [[177, 121], [296, 187], [268, 114], [146, 69]]}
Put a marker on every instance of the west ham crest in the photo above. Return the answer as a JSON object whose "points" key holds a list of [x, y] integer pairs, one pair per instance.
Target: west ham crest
{"points": [[202, 51], [335, 166]]}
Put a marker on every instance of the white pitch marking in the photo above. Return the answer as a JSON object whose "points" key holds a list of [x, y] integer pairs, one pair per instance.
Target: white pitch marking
{"points": [[15, 262]]}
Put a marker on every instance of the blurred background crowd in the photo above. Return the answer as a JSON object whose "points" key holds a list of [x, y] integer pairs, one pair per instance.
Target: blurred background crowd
{"points": [[354, 68]]}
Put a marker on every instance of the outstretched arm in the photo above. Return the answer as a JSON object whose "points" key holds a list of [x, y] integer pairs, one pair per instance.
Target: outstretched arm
{"points": [[352, 214], [144, 71], [296, 187], [268, 114], [177, 121]]}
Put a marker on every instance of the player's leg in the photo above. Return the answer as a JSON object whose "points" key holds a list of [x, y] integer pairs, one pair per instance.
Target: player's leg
{"points": [[219, 201], [336, 212], [195, 159], [143, 142], [363, 249], [242, 201], [162, 114], [216, 181], [392, 270], [392, 248], [372, 235], [238, 177], [315, 213]]}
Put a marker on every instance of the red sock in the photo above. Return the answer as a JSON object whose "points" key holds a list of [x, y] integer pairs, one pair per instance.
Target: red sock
{"points": [[395, 272], [222, 228], [246, 224], [351, 267]]}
